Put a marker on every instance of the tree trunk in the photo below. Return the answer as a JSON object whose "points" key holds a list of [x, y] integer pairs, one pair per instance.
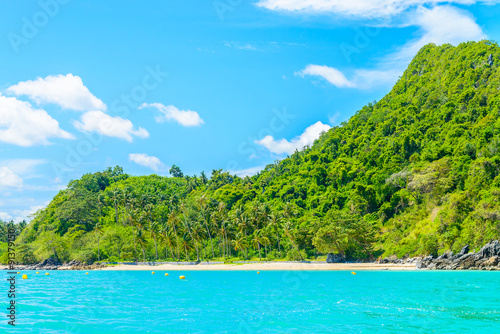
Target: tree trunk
{"points": [[116, 212], [279, 248], [197, 253], [210, 237], [177, 242], [156, 246]]}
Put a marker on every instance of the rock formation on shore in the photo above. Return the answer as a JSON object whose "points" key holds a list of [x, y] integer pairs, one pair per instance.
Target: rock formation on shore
{"points": [[53, 264], [488, 258]]}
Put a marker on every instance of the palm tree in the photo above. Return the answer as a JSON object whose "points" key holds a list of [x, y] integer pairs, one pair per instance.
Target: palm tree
{"points": [[198, 235], [287, 229], [256, 242], [188, 228], [115, 196], [141, 240], [186, 242], [241, 243], [97, 229], [201, 205], [168, 238], [221, 212], [172, 218], [275, 222], [152, 225]]}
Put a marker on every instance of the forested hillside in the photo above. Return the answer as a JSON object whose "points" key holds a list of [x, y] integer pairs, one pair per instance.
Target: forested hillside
{"points": [[415, 173]]}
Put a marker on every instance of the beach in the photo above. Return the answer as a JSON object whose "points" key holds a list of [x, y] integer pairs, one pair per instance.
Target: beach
{"points": [[274, 266]]}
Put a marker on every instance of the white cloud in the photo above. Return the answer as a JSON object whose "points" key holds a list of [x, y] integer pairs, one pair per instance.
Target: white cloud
{"points": [[23, 125], [67, 91], [171, 113], [146, 160], [9, 179], [357, 8], [5, 216], [440, 25], [305, 139], [240, 46], [248, 172], [22, 166], [330, 74], [109, 126]]}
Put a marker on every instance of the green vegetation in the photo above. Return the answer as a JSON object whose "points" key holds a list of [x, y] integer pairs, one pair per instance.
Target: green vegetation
{"points": [[415, 173]]}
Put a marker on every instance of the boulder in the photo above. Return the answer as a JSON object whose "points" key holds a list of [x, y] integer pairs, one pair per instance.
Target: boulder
{"points": [[464, 250], [446, 255], [491, 262], [489, 250], [467, 261], [335, 258]]}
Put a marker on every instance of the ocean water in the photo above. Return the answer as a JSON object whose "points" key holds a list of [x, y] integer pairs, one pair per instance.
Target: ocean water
{"points": [[247, 302]]}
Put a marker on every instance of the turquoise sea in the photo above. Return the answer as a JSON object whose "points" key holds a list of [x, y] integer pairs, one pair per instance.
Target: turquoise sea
{"points": [[247, 302]]}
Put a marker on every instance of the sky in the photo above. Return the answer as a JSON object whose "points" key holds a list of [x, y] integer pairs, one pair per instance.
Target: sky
{"points": [[223, 84]]}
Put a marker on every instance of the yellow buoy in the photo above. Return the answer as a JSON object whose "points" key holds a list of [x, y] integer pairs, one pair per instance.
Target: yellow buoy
{"points": [[258, 272], [25, 276], [47, 274], [166, 274], [37, 272], [86, 273], [352, 272], [18, 272], [182, 277], [153, 272]]}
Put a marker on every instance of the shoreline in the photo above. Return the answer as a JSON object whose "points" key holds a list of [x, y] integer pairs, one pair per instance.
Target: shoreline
{"points": [[275, 266]]}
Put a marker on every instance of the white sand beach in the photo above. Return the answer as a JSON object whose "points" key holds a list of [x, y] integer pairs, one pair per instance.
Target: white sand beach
{"points": [[267, 266]]}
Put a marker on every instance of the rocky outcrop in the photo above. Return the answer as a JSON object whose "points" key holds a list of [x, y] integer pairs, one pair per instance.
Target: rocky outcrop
{"points": [[488, 258], [53, 264], [335, 258], [395, 260]]}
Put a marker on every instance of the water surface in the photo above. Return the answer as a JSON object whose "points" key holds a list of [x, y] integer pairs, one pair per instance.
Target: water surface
{"points": [[247, 302]]}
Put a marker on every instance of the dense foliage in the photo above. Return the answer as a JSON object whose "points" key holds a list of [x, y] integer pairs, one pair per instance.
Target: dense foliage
{"points": [[415, 173]]}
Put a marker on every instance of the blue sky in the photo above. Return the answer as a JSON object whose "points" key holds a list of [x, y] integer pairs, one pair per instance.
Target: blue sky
{"points": [[205, 85]]}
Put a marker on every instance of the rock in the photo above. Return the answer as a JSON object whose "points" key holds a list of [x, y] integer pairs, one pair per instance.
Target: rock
{"points": [[489, 250], [335, 258], [467, 261], [490, 60], [491, 262], [464, 250], [390, 259], [446, 255]]}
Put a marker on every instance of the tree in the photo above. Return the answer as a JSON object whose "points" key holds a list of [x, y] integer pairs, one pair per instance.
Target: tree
{"points": [[176, 172]]}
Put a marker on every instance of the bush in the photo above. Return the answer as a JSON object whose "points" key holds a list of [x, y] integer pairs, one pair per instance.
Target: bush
{"points": [[295, 255]]}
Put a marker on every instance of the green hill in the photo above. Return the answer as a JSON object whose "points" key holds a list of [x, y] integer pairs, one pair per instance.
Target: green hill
{"points": [[415, 173]]}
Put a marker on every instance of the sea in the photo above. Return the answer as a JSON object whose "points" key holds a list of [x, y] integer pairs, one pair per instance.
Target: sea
{"points": [[251, 302]]}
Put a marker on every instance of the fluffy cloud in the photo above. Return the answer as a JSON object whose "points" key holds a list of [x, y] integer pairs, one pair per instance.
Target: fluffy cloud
{"points": [[171, 113], [5, 216], [9, 179], [97, 121], [249, 171], [146, 160], [439, 25], [67, 91], [23, 125], [284, 146], [332, 75], [357, 8]]}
